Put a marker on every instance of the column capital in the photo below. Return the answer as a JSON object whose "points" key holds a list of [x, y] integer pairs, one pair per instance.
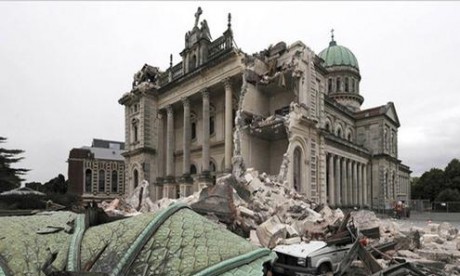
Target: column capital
{"points": [[227, 83], [169, 109], [185, 101], [160, 114], [205, 92]]}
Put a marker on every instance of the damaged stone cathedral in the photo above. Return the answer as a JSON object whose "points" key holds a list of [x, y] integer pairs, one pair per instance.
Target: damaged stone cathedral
{"points": [[285, 111]]}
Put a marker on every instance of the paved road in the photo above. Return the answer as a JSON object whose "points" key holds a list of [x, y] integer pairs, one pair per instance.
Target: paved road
{"points": [[421, 219]]}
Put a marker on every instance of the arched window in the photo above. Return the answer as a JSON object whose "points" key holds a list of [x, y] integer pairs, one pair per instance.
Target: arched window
{"points": [[338, 85], [349, 137], [136, 178], [385, 184], [346, 85], [212, 119], [393, 183], [193, 170], [193, 125], [329, 85], [192, 63], [297, 169], [136, 134], [212, 170], [393, 143], [135, 129], [353, 85], [88, 180], [212, 166], [114, 181], [328, 127], [339, 132], [101, 186], [385, 138]]}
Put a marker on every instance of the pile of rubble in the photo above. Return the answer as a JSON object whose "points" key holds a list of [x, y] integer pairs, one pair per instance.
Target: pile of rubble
{"points": [[268, 213]]}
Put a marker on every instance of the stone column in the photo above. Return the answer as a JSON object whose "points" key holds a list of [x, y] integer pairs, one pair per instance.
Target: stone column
{"points": [[344, 182], [360, 183], [330, 191], [338, 182], [349, 184], [186, 138], [205, 148], [170, 142], [228, 125], [365, 195], [355, 183], [160, 146]]}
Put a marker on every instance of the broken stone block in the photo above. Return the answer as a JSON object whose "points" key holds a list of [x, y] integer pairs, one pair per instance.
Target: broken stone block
{"points": [[251, 76], [253, 238], [246, 212], [293, 240], [447, 231], [338, 213], [255, 185], [365, 219], [270, 231], [138, 198], [250, 174], [403, 242], [388, 228], [218, 199], [313, 216], [437, 255], [431, 228], [431, 238], [326, 211], [291, 231], [414, 229], [408, 254]]}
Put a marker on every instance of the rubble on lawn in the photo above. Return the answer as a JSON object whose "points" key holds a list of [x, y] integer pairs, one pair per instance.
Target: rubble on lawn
{"points": [[268, 213]]}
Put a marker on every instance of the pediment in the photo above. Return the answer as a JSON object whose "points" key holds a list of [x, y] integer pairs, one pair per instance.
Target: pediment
{"points": [[391, 113]]}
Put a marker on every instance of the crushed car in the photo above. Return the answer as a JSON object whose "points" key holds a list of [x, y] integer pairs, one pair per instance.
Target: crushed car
{"points": [[312, 258]]}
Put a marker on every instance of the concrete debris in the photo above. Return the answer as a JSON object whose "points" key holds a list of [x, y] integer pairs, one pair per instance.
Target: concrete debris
{"points": [[447, 231], [271, 231], [264, 209], [140, 198]]}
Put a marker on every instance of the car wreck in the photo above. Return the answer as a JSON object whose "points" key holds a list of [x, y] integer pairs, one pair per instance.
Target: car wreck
{"points": [[315, 257]]}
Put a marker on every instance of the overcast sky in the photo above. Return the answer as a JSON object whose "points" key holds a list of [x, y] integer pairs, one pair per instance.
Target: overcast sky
{"points": [[64, 65]]}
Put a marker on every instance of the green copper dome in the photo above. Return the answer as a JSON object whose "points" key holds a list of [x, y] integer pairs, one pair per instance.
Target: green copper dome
{"points": [[336, 55]]}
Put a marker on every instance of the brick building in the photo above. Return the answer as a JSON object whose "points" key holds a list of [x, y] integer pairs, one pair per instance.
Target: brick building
{"points": [[97, 172]]}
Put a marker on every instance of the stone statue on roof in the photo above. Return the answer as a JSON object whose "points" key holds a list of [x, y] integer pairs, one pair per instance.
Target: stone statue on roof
{"points": [[148, 73], [205, 33]]}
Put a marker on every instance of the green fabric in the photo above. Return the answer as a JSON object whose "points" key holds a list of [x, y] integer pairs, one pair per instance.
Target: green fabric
{"points": [[24, 250], [336, 55]]}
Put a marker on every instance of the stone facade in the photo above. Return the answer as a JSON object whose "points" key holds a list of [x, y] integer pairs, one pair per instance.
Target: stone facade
{"points": [[97, 172], [285, 111]]}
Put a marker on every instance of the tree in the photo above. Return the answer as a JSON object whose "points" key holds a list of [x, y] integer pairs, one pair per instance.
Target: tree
{"points": [[431, 183], [452, 174], [416, 189], [10, 177], [448, 195]]}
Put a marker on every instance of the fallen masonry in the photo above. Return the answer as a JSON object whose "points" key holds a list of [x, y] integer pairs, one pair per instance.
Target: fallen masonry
{"points": [[263, 210]]}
